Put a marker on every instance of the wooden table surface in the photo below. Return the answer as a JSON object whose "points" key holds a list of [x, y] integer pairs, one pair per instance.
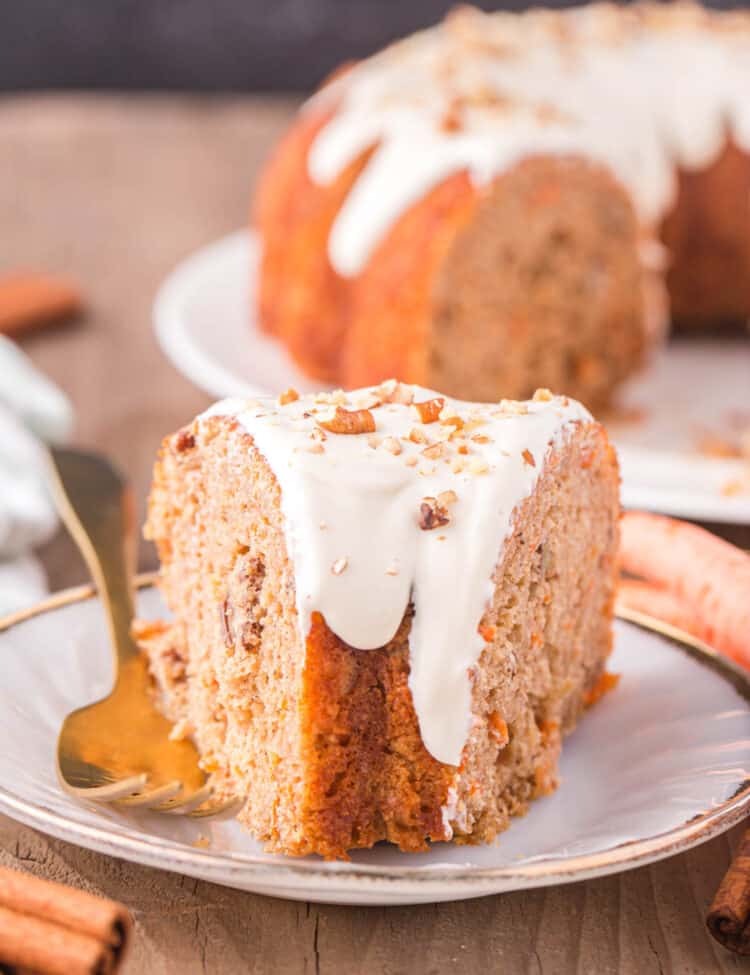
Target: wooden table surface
{"points": [[115, 191]]}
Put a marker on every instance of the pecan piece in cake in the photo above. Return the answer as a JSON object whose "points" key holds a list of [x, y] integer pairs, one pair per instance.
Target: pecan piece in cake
{"points": [[184, 441]]}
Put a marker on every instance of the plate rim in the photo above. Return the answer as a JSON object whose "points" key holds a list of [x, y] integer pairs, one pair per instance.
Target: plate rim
{"points": [[168, 854]]}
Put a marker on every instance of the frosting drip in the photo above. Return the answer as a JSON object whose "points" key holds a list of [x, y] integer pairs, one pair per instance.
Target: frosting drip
{"points": [[411, 512], [640, 90]]}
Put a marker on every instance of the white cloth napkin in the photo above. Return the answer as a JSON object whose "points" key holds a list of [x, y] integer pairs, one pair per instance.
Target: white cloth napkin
{"points": [[32, 411]]}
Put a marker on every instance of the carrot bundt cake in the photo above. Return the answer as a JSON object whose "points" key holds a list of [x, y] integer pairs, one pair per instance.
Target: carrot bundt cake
{"points": [[500, 201], [388, 607]]}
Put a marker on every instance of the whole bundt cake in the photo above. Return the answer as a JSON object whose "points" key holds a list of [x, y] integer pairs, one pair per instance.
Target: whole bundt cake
{"points": [[512, 200]]}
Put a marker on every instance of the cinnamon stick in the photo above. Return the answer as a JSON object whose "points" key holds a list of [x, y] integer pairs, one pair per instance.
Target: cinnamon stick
{"points": [[728, 918], [29, 300], [56, 930]]}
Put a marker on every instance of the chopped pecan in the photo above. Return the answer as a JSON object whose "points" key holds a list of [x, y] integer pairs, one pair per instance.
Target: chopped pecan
{"points": [[447, 497], [542, 395], [432, 514], [434, 451], [392, 391], [429, 411], [349, 421], [288, 396], [528, 457]]}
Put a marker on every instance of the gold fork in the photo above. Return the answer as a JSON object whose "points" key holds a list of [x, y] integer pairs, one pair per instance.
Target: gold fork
{"points": [[119, 749]]}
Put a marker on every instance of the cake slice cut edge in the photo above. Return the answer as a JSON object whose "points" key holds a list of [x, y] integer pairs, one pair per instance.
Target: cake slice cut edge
{"points": [[453, 722]]}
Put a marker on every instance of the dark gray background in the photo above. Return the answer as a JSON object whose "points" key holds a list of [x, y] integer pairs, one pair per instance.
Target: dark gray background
{"points": [[209, 45]]}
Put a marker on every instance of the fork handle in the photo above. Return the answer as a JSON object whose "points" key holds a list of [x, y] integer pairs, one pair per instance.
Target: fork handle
{"points": [[96, 504]]}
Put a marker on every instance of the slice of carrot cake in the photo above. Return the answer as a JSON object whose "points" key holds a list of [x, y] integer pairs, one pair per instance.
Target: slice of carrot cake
{"points": [[388, 607]]}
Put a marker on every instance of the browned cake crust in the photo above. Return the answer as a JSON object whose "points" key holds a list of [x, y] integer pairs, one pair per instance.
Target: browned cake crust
{"points": [[323, 739]]}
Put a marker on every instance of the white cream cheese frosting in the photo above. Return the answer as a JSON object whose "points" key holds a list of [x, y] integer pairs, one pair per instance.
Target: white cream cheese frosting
{"points": [[641, 90], [412, 512]]}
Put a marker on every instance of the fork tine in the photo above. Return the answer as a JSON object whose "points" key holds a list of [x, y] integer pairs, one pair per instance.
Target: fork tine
{"points": [[113, 791], [185, 804], [151, 797], [220, 807]]}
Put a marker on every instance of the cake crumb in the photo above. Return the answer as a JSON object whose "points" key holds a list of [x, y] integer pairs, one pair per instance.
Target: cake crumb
{"points": [[392, 445], [339, 565]]}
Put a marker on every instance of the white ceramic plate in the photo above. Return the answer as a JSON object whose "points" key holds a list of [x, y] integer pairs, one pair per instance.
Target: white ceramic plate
{"points": [[205, 326], [658, 766]]}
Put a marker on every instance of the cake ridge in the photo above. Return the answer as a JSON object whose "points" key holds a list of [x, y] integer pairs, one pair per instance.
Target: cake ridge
{"points": [[394, 495]]}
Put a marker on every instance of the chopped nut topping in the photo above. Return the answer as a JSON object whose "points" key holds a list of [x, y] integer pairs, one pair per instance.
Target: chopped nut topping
{"points": [[478, 466], [447, 497], [395, 392], [323, 525], [288, 396], [451, 419], [392, 445], [463, 449], [411, 461], [433, 451], [542, 396], [337, 398], [373, 441], [368, 402], [486, 632], [528, 457], [418, 436], [392, 570], [457, 465], [315, 448], [432, 514], [349, 422], [185, 441], [339, 565], [514, 407], [430, 410], [480, 438]]}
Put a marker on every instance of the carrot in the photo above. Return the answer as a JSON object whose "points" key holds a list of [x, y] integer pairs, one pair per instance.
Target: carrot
{"points": [[709, 578], [643, 597]]}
